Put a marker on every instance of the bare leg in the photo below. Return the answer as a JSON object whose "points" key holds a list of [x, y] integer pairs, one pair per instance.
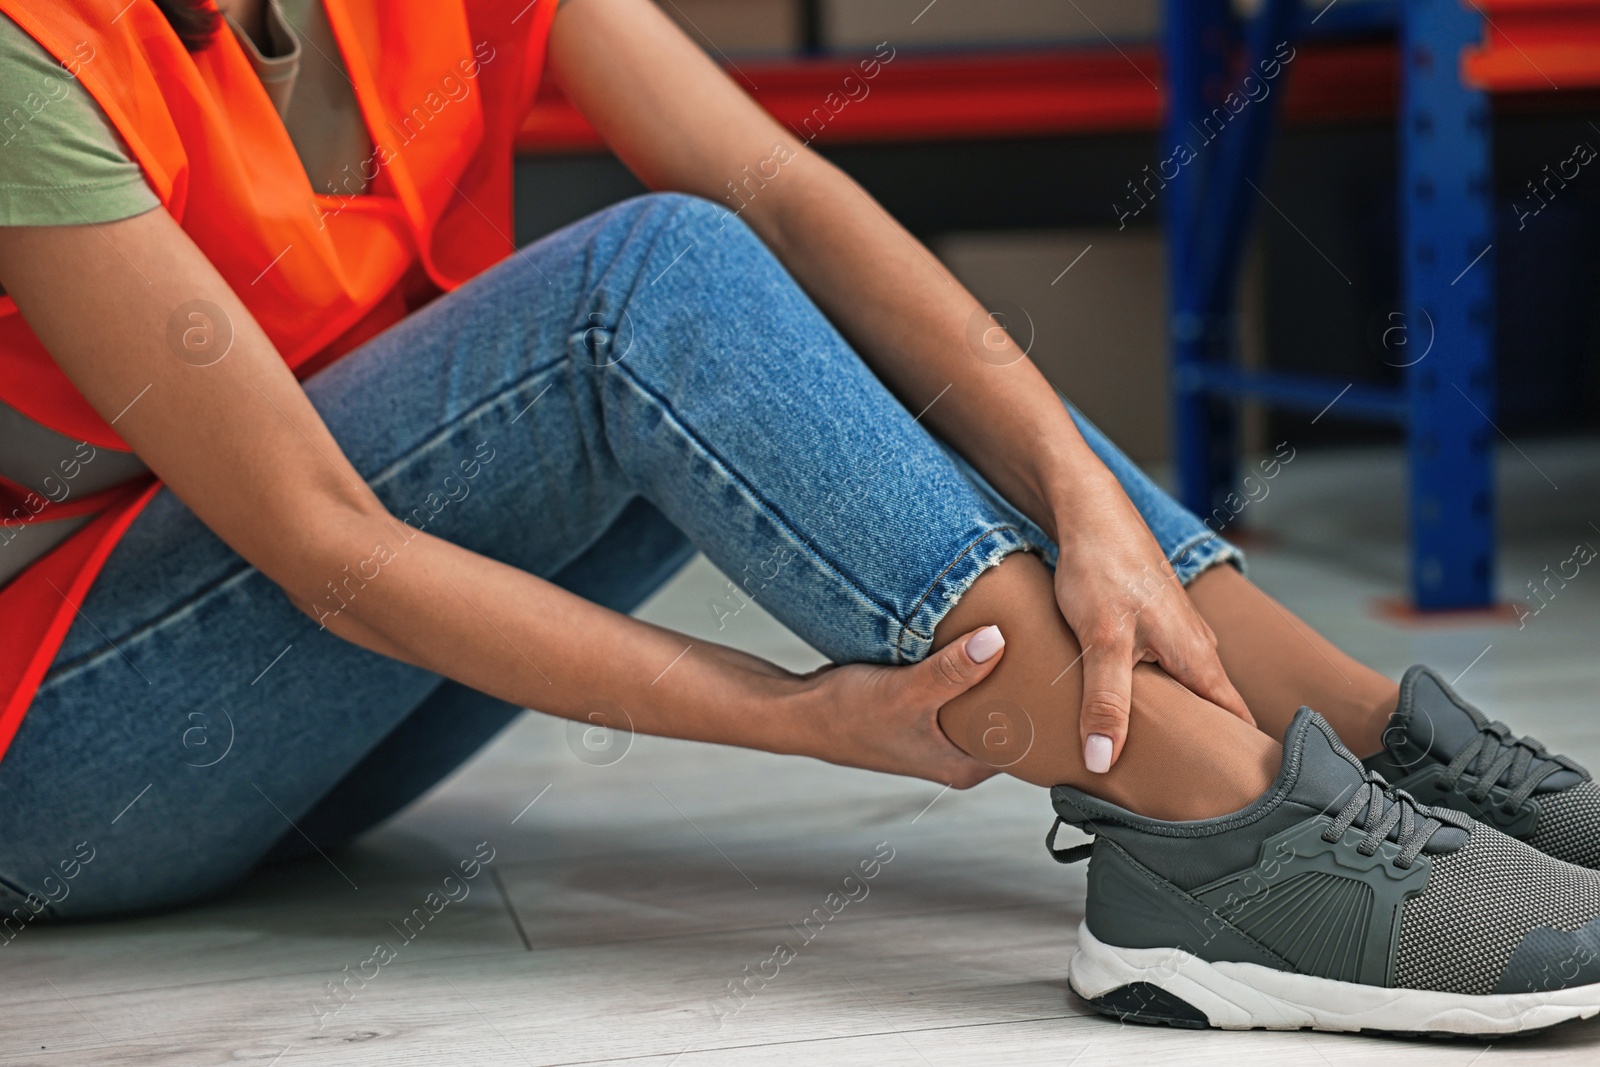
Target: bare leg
{"points": [[1185, 757], [1278, 663]]}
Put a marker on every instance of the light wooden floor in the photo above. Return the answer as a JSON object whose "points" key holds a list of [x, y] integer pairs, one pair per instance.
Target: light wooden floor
{"points": [[623, 902]]}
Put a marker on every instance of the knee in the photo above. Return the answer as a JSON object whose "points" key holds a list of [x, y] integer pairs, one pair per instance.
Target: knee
{"points": [[646, 217], [690, 213], [708, 236], [681, 251]]}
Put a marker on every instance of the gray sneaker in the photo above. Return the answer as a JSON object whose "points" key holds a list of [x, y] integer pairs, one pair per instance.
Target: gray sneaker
{"points": [[1445, 752], [1334, 902]]}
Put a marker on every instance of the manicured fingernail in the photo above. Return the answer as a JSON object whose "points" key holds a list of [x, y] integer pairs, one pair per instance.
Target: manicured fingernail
{"points": [[982, 645], [1097, 753]]}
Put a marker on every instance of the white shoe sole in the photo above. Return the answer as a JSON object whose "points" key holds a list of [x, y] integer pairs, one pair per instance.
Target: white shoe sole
{"points": [[1245, 996]]}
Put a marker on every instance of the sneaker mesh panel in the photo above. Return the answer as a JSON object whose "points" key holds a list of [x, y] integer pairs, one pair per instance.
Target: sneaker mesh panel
{"points": [[1458, 934], [1569, 825]]}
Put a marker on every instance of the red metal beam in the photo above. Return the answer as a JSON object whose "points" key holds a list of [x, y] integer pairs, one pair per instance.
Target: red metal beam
{"points": [[994, 95], [1535, 46]]}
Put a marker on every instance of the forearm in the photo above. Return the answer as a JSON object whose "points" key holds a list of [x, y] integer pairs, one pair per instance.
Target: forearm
{"points": [[417, 598], [928, 339]]}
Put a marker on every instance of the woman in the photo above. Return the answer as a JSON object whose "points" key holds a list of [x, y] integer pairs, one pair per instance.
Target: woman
{"points": [[406, 490]]}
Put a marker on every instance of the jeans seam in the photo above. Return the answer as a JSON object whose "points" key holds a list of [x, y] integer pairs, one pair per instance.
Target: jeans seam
{"points": [[59, 672], [745, 485], [453, 424], [1022, 544], [1224, 552]]}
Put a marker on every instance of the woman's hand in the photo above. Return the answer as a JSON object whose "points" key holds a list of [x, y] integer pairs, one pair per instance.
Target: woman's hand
{"points": [[1122, 599], [887, 718]]}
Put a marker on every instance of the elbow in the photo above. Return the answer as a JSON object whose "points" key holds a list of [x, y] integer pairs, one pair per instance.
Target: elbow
{"points": [[804, 194], [329, 570], [309, 608]]}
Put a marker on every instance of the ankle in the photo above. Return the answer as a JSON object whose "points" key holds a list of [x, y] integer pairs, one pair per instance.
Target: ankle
{"points": [[1363, 724], [1208, 788]]}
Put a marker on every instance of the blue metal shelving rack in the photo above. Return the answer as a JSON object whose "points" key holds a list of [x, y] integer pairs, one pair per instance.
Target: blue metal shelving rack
{"points": [[1446, 255]]}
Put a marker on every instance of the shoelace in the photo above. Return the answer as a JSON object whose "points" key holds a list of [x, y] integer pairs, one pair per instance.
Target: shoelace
{"points": [[1385, 807], [1495, 749]]}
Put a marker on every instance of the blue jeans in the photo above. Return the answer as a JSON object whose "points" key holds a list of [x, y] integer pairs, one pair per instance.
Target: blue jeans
{"points": [[645, 383]]}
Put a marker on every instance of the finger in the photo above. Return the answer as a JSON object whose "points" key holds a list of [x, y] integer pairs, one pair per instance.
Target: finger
{"points": [[1107, 695], [1202, 674], [961, 664]]}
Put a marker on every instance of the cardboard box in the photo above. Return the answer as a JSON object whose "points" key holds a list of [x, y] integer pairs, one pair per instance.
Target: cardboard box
{"points": [[1099, 330], [738, 26], [852, 24]]}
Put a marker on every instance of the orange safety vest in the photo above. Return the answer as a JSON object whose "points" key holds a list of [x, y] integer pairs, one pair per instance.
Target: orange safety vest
{"points": [[443, 86]]}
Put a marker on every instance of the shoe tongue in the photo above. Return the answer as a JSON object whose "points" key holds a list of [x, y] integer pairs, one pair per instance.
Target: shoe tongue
{"points": [[1433, 719], [1326, 772]]}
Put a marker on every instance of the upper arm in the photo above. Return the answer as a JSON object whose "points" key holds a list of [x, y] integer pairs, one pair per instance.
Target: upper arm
{"points": [[663, 107], [125, 308]]}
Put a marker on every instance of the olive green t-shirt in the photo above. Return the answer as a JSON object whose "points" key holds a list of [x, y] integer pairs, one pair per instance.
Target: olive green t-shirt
{"points": [[63, 163]]}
